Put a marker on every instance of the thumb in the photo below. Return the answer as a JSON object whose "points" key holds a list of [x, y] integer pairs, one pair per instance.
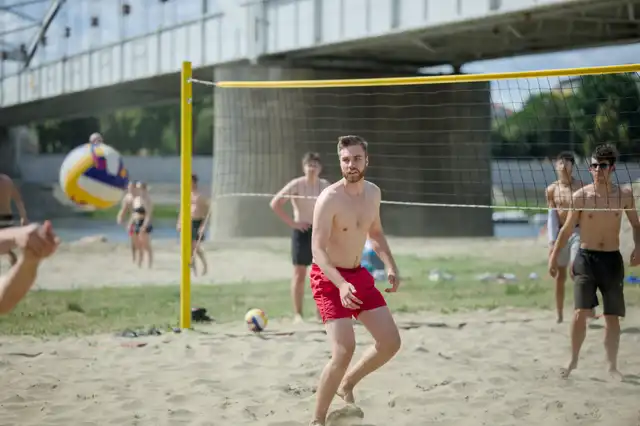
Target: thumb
{"points": [[353, 289], [47, 226]]}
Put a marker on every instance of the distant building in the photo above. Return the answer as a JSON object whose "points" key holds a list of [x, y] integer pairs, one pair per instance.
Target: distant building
{"points": [[568, 86]]}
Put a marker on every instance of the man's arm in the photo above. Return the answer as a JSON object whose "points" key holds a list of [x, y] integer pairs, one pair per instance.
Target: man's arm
{"points": [[124, 208], [570, 224], [206, 208], [20, 277], [379, 241], [148, 207], [553, 220], [632, 215], [8, 239], [323, 215], [280, 199], [15, 284], [17, 198]]}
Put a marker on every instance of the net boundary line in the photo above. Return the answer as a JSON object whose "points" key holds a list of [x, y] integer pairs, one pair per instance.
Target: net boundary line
{"points": [[420, 80], [419, 204]]}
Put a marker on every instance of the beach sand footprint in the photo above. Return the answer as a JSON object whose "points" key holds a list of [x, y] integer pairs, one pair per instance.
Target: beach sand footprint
{"points": [[349, 415]]}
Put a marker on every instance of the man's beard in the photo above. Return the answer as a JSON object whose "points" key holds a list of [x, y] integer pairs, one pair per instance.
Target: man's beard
{"points": [[354, 177]]}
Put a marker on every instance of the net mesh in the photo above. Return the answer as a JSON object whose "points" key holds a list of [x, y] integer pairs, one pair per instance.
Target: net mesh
{"points": [[445, 147]]}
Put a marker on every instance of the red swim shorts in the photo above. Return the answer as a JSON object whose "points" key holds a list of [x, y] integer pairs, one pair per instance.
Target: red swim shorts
{"points": [[131, 229], [327, 295]]}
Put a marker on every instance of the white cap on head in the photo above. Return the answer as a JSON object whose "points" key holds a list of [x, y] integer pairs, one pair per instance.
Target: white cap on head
{"points": [[95, 138]]}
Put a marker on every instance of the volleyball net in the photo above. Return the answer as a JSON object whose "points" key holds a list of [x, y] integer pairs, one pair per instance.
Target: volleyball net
{"points": [[446, 150]]}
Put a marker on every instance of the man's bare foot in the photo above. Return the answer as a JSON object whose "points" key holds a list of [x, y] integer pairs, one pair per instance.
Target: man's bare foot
{"points": [[615, 374], [316, 423], [346, 394], [559, 319], [565, 372], [297, 319]]}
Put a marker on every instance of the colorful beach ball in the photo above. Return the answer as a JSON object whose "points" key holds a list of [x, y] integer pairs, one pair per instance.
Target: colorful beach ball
{"points": [[256, 320], [94, 175]]}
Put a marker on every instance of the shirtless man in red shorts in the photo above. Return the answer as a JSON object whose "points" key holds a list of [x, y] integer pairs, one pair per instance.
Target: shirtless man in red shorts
{"points": [[345, 214]]}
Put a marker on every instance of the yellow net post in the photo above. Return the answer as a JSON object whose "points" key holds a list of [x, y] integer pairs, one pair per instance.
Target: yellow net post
{"points": [[186, 136]]}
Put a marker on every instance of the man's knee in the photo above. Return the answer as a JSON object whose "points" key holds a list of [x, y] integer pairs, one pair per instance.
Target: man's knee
{"points": [[299, 274], [390, 344], [612, 322], [581, 315]]}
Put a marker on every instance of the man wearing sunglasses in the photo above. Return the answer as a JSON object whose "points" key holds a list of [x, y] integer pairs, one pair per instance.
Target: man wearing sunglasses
{"points": [[598, 264], [559, 200]]}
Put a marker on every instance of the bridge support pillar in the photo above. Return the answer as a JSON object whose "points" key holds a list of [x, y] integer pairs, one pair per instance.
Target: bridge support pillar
{"points": [[429, 144], [8, 153]]}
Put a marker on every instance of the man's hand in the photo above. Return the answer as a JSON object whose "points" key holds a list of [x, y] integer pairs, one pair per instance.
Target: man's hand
{"points": [[635, 257], [301, 226], [394, 280], [347, 291], [38, 241], [553, 266]]}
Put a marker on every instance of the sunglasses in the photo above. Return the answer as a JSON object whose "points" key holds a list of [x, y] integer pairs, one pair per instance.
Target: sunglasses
{"points": [[599, 166]]}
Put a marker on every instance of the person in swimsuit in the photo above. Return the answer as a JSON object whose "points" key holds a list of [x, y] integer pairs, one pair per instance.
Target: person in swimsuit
{"points": [[141, 220], [37, 243], [559, 200], [200, 206], [345, 214], [303, 192], [9, 193], [127, 207], [598, 264]]}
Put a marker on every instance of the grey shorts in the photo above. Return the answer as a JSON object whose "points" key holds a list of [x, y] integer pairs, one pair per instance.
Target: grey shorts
{"points": [[569, 251]]}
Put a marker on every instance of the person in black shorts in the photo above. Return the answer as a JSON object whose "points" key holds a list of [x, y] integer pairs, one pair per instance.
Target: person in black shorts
{"points": [[303, 192], [142, 213], [598, 264], [200, 208]]}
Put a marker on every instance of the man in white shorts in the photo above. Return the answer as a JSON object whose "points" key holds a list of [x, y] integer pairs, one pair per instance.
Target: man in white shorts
{"points": [[559, 200]]}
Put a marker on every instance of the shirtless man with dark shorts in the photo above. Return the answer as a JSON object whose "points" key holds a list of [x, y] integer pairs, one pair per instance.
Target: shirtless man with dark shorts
{"points": [[200, 207], [37, 242], [303, 192], [598, 264], [8, 193], [346, 213], [559, 200]]}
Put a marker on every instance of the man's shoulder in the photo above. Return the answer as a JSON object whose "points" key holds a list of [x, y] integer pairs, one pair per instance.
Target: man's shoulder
{"points": [[372, 187], [552, 186]]}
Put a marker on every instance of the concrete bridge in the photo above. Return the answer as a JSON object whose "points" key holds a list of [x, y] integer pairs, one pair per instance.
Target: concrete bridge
{"points": [[429, 144]]}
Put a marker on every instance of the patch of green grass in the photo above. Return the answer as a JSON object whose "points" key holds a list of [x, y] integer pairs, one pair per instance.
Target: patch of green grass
{"points": [[160, 211], [47, 312]]}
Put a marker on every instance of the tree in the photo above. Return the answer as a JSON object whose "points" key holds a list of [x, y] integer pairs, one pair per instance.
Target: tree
{"points": [[601, 109], [154, 130]]}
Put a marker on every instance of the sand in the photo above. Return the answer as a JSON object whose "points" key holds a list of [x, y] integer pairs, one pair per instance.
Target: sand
{"points": [[484, 368]]}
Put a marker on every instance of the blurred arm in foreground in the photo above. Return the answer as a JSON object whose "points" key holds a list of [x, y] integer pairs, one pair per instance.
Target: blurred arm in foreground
{"points": [[37, 242]]}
